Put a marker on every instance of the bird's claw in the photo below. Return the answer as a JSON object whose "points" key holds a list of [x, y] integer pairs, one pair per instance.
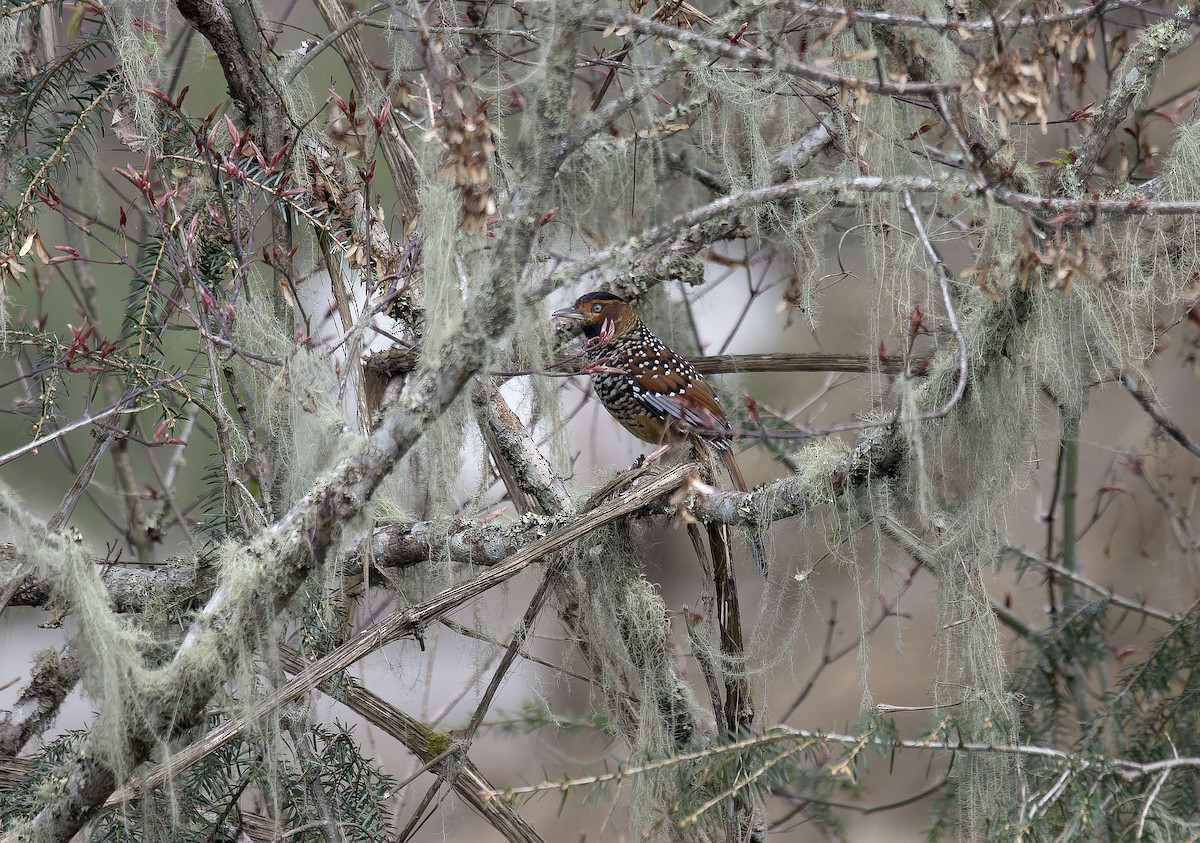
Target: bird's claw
{"points": [[601, 367]]}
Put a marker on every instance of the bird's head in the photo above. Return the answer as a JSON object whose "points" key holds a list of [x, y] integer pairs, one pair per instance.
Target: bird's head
{"points": [[601, 316]]}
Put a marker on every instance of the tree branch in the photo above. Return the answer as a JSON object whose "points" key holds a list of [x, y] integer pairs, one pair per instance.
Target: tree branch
{"points": [[754, 57], [1135, 75], [408, 622]]}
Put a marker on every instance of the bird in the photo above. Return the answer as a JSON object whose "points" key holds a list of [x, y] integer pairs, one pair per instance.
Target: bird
{"points": [[654, 393]]}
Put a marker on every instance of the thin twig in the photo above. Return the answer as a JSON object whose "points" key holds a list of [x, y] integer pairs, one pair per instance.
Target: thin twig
{"points": [[1150, 797], [117, 409], [1156, 412], [407, 622], [943, 277], [981, 25], [751, 56], [1107, 594], [1128, 769]]}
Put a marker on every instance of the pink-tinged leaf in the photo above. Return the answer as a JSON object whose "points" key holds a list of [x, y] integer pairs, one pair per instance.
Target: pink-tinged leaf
{"points": [[164, 199], [1085, 113], [235, 137], [69, 255], [208, 118], [751, 408], [49, 196], [140, 180], [338, 101], [160, 95], [279, 154], [1134, 464], [916, 319], [193, 227], [258, 156]]}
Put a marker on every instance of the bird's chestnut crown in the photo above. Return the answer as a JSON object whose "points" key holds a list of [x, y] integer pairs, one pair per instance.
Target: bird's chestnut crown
{"points": [[593, 310]]}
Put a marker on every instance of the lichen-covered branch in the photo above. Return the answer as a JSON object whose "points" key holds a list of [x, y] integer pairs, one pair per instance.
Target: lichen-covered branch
{"points": [[273, 565], [1133, 78]]}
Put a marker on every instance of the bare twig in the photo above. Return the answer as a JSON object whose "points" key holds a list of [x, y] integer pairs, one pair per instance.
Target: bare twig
{"points": [[797, 740], [1159, 414], [981, 25], [407, 622], [418, 739], [1107, 594], [943, 277], [752, 57]]}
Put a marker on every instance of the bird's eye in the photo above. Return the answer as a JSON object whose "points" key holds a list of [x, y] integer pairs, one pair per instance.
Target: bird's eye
{"points": [[596, 308]]}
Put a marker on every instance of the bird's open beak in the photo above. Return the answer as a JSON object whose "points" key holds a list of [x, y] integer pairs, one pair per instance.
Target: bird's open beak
{"points": [[566, 313]]}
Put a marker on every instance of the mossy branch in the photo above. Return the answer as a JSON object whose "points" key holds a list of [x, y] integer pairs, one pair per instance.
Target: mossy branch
{"points": [[410, 622], [751, 57], [1134, 76]]}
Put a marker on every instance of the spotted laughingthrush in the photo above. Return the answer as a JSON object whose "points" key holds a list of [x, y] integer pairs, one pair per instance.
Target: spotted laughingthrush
{"points": [[654, 393]]}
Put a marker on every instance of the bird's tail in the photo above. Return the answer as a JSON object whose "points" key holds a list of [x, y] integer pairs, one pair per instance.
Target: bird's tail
{"points": [[757, 552]]}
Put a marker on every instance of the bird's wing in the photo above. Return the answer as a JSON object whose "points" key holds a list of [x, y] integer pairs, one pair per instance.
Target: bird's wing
{"points": [[688, 400]]}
